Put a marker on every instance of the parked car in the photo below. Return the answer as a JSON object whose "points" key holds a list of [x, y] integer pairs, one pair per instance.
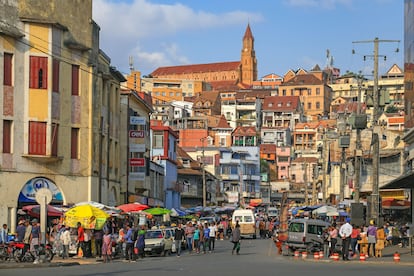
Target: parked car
{"points": [[302, 233], [159, 241]]}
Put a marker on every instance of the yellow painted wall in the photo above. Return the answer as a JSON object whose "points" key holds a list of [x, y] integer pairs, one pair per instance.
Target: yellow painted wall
{"points": [[8, 43], [39, 38], [38, 98], [38, 104]]}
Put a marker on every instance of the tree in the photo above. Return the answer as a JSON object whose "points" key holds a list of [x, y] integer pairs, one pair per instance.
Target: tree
{"points": [[391, 109]]}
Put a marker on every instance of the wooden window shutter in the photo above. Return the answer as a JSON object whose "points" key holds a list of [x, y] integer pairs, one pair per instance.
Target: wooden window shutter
{"points": [[37, 138], [75, 80], [34, 72], [38, 72], [7, 136], [8, 69], [54, 139], [74, 143], [55, 76]]}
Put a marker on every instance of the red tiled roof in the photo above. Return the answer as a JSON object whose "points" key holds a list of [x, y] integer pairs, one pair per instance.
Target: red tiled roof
{"points": [[222, 123], [307, 79], [244, 130], [196, 68], [281, 103], [268, 148]]}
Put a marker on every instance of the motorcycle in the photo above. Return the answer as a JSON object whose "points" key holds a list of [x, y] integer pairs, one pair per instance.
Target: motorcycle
{"points": [[21, 252], [6, 252], [314, 246]]}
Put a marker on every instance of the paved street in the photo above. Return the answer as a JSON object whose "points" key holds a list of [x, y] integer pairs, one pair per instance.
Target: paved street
{"points": [[257, 256]]}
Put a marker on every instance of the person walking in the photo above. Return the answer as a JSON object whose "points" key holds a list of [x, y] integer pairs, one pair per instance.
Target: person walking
{"points": [[178, 238], [212, 235], [380, 244], [196, 239], [107, 246], [372, 238], [129, 239], [20, 231], [80, 240], [35, 236], [345, 233], [65, 239], [333, 234], [235, 239], [206, 238], [355, 236], [140, 243], [189, 235]]}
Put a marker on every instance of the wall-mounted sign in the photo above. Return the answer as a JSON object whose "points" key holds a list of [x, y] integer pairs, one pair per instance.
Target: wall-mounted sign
{"points": [[137, 162], [136, 176], [29, 190], [136, 147], [135, 120], [136, 134]]}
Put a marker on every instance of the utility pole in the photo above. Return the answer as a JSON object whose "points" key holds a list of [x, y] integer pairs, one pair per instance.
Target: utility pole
{"points": [[204, 174], [314, 180], [358, 148], [305, 180], [374, 206], [324, 166]]}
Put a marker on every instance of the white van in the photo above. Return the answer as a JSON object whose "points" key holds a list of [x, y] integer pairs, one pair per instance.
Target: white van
{"points": [[246, 220], [302, 232]]}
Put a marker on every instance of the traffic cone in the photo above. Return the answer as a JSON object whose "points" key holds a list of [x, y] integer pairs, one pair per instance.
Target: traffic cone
{"points": [[304, 255], [362, 257], [296, 254], [396, 257], [80, 253], [316, 256]]}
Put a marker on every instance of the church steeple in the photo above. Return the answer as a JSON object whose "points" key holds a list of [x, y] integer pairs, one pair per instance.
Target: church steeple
{"points": [[248, 58]]}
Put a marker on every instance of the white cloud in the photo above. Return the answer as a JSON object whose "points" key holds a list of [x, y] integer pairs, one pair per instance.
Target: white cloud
{"points": [[147, 30]]}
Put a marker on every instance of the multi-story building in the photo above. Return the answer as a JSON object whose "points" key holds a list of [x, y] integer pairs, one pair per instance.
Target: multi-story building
{"points": [[282, 111], [240, 174], [143, 179], [59, 107], [164, 152], [312, 89]]}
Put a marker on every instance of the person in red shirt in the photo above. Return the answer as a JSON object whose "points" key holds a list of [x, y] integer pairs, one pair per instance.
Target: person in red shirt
{"points": [[356, 232], [81, 239]]}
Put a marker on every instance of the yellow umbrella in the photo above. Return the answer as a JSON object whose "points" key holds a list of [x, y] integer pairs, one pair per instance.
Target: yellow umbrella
{"points": [[89, 216]]}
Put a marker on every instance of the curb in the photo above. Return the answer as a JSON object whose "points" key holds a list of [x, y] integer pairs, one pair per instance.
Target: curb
{"points": [[32, 265]]}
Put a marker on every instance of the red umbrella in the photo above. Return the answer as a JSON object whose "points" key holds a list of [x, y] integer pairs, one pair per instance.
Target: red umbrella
{"points": [[132, 207], [34, 211]]}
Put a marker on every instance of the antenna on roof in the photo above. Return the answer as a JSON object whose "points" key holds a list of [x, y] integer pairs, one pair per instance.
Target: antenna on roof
{"points": [[131, 63]]}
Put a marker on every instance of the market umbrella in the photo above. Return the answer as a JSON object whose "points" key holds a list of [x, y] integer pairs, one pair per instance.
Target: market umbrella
{"points": [[109, 209], [324, 210], [89, 216], [34, 211], [158, 211], [132, 207]]}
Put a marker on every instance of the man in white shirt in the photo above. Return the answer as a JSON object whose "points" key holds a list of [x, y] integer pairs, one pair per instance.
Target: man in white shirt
{"points": [[4, 235], [345, 232], [212, 235]]}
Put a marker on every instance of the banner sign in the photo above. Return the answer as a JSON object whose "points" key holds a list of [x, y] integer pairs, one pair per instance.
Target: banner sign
{"points": [[137, 162], [135, 120], [136, 134]]}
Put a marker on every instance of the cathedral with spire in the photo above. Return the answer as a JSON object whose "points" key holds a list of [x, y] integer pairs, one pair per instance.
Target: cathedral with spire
{"points": [[221, 75]]}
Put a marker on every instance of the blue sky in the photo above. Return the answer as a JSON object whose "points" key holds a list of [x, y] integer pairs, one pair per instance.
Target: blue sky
{"points": [[289, 34]]}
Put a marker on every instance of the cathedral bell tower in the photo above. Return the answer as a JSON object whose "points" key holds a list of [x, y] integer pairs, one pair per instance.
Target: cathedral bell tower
{"points": [[248, 70]]}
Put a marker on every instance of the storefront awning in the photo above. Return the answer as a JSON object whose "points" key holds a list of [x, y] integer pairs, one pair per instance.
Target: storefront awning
{"points": [[402, 182]]}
